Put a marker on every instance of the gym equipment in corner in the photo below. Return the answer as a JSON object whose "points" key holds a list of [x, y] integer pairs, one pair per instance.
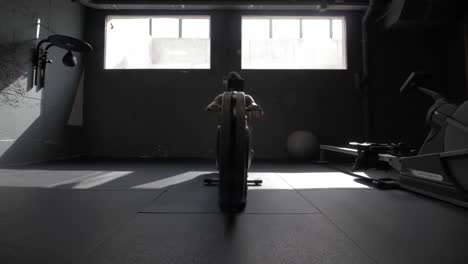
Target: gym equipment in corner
{"points": [[234, 151], [439, 168], [40, 59]]}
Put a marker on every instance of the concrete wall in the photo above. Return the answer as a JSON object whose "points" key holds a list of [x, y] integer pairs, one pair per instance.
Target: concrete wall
{"points": [[33, 125], [458, 51], [133, 113]]}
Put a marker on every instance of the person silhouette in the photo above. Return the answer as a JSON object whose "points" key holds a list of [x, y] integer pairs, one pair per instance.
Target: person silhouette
{"points": [[233, 82]]}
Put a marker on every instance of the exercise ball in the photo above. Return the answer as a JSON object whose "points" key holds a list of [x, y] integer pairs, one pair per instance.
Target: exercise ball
{"points": [[303, 145]]}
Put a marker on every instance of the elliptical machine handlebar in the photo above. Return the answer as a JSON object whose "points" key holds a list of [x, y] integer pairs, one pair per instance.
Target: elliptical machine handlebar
{"points": [[416, 82], [434, 95]]}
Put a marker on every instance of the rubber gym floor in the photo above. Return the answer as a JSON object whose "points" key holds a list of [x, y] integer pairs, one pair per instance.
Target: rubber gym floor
{"points": [[139, 212]]}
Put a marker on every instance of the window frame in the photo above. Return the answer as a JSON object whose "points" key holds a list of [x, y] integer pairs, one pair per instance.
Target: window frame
{"points": [[150, 28], [301, 18]]}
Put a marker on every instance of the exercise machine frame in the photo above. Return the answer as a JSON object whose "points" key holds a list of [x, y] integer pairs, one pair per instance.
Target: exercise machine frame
{"points": [[439, 169], [234, 153]]}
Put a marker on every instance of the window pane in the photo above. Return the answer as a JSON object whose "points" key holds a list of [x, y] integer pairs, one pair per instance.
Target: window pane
{"points": [[196, 28], [183, 53], [130, 46], [316, 28], [165, 28], [338, 28], [126, 42], [255, 28], [286, 50], [286, 28]]}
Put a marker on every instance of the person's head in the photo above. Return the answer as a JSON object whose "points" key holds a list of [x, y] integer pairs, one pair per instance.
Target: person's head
{"points": [[234, 82]]}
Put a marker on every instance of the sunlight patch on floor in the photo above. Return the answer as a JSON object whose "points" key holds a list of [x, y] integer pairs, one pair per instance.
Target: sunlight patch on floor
{"points": [[271, 181], [43, 178], [362, 174], [101, 179], [177, 179], [322, 180]]}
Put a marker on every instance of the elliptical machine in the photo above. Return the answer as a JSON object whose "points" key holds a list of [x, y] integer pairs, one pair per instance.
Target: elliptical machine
{"points": [[233, 147], [439, 168]]}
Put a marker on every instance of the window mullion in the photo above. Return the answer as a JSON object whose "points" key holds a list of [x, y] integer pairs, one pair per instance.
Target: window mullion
{"points": [[271, 28], [180, 27], [301, 27], [151, 27]]}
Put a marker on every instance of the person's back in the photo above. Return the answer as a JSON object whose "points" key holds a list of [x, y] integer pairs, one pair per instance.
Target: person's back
{"points": [[235, 83]]}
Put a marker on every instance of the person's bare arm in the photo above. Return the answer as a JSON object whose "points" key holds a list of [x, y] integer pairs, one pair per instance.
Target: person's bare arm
{"points": [[253, 107], [215, 106]]}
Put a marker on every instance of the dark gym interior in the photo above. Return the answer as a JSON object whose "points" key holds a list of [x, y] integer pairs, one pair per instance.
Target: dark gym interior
{"points": [[248, 131]]}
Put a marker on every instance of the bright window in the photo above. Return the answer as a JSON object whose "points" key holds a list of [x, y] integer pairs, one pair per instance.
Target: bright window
{"points": [[293, 43], [157, 42]]}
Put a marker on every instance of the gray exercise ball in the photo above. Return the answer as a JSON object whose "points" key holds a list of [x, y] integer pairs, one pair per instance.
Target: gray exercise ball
{"points": [[303, 145]]}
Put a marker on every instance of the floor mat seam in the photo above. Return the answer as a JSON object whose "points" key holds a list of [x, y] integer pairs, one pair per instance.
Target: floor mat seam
{"points": [[117, 229], [332, 222]]}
